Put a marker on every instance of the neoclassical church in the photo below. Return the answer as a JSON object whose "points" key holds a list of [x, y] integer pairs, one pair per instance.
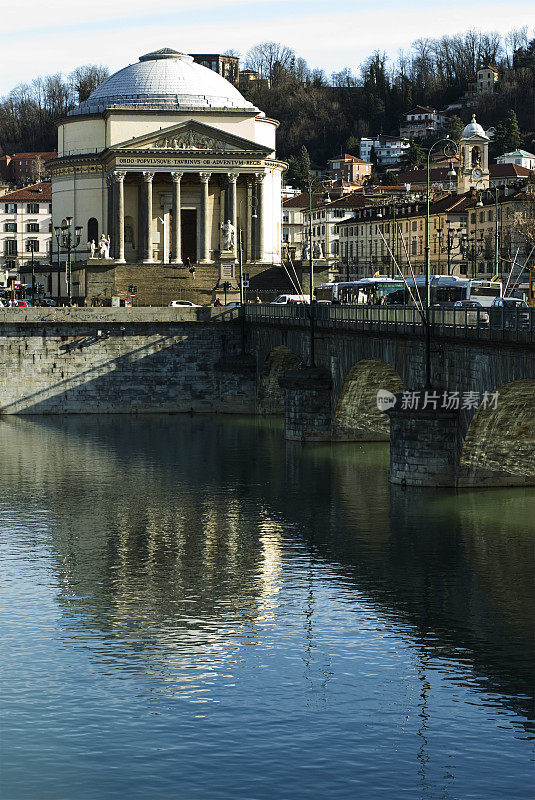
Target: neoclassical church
{"points": [[168, 160]]}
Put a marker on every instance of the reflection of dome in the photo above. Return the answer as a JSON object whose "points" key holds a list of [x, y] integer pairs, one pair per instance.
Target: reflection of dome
{"points": [[165, 79], [474, 129]]}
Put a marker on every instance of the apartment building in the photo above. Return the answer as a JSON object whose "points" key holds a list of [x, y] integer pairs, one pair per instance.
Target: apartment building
{"points": [[25, 168], [351, 169], [420, 122], [389, 150], [25, 230]]}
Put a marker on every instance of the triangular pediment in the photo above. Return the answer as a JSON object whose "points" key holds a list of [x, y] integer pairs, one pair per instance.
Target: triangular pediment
{"points": [[192, 137]]}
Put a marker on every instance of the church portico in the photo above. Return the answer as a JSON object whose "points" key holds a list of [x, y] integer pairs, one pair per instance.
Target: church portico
{"points": [[144, 209]]}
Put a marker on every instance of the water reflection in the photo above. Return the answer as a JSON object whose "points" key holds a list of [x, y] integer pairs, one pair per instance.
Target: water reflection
{"points": [[189, 554]]}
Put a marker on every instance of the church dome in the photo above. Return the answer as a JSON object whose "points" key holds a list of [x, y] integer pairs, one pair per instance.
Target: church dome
{"points": [[473, 129], [165, 79]]}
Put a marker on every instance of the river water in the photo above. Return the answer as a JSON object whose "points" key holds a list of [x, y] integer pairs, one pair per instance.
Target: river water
{"points": [[193, 608]]}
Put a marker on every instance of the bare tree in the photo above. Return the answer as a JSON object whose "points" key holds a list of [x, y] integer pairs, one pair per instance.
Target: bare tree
{"points": [[514, 40], [84, 80], [269, 58]]}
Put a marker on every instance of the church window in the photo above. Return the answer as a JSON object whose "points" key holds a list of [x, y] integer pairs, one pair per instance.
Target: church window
{"points": [[92, 230]]}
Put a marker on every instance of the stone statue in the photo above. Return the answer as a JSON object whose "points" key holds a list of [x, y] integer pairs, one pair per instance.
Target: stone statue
{"points": [[318, 250], [92, 247], [306, 251], [229, 235], [104, 246]]}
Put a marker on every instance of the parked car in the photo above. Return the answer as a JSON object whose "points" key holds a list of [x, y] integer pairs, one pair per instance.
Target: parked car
{"points": [[183, 304], [285, 299], [21, 304], [45, 302], [475, 313], [510, 312], [509, 302]]}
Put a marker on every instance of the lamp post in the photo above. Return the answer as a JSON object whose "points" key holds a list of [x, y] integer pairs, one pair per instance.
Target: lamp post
{"points": [[494, 188], [450, 243], [450, 150], [68, 240], [254, 215], [31, 245], [471, 248], [311, 276]]}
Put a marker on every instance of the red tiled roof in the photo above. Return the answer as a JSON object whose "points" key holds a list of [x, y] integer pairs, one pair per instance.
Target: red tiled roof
{"points": [[347, 157], [38, 192], [441, 173], [508, 170], [302, 200]]}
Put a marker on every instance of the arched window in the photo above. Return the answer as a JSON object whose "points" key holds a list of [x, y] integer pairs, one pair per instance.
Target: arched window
{"points": [[92, 230]]}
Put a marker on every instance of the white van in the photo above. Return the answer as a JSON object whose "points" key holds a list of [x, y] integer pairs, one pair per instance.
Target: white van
{"points": [[284, 299]]}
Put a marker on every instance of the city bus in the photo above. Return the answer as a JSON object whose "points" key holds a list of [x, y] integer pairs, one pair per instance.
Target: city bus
{"points": [[485, 291], [366, 291], [446, 290]]}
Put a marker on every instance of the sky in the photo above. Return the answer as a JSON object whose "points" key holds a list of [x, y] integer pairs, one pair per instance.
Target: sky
{"points": [[41, 38]]}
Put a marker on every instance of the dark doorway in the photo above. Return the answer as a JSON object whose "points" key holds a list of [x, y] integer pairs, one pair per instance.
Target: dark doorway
{"points": [[189, 234]]}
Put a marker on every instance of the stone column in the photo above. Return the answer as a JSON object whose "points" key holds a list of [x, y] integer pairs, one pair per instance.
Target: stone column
{"points": [[176, 231], [232, 207], [109, 214], [249, 221], [119, 247], [425, 444], [205, 220], [259, 184], [147, 177], [307, 404]]}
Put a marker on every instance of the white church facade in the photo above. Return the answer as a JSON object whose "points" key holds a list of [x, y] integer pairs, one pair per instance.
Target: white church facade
{"points": [[168, 160]]}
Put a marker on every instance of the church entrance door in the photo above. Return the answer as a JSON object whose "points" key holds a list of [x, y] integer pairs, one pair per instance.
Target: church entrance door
{"points": [[189, 234]]}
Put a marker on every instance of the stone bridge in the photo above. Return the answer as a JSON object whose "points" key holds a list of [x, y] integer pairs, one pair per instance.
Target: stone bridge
{"points": [[489, 439], [150, 360]]}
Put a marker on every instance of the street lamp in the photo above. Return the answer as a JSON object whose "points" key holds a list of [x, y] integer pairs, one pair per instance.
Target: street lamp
{"points": [[68, 240], [450, 150], [254, 215], [493, 187], [31, 247], [450, 245]]}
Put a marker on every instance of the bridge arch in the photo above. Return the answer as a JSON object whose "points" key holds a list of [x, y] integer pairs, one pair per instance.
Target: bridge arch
{"points": [[270, 396], [499, 446], [356, 416]]}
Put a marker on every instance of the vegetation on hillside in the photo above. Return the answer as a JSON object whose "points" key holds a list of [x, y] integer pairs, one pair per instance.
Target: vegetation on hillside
{"points": [[328, 115]]}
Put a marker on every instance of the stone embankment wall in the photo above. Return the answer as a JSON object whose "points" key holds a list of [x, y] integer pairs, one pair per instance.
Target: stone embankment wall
{"points": [[105, 360]]}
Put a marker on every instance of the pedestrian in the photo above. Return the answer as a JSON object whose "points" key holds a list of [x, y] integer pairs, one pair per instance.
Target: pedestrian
{"points": [[257, 300], [217, 302]]}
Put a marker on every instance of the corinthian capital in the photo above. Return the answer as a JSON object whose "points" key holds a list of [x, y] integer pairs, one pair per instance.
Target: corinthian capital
{"points": [[205, 176], [148, 176]]}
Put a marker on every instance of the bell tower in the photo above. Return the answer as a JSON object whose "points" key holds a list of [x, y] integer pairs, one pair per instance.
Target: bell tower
{"points": [[473, 158]]}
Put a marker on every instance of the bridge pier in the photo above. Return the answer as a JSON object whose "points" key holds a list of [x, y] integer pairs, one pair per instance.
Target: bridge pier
{"points": [[307, 404], [425, 446]]}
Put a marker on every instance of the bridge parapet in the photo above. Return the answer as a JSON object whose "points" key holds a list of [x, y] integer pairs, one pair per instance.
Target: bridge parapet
{"points": [[515, 325]]}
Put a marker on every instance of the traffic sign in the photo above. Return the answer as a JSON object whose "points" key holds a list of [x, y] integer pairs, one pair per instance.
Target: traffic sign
{"points": [[245, 283]]}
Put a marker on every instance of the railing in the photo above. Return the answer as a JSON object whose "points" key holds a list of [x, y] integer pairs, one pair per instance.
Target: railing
{"points": [[489, 324]]}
